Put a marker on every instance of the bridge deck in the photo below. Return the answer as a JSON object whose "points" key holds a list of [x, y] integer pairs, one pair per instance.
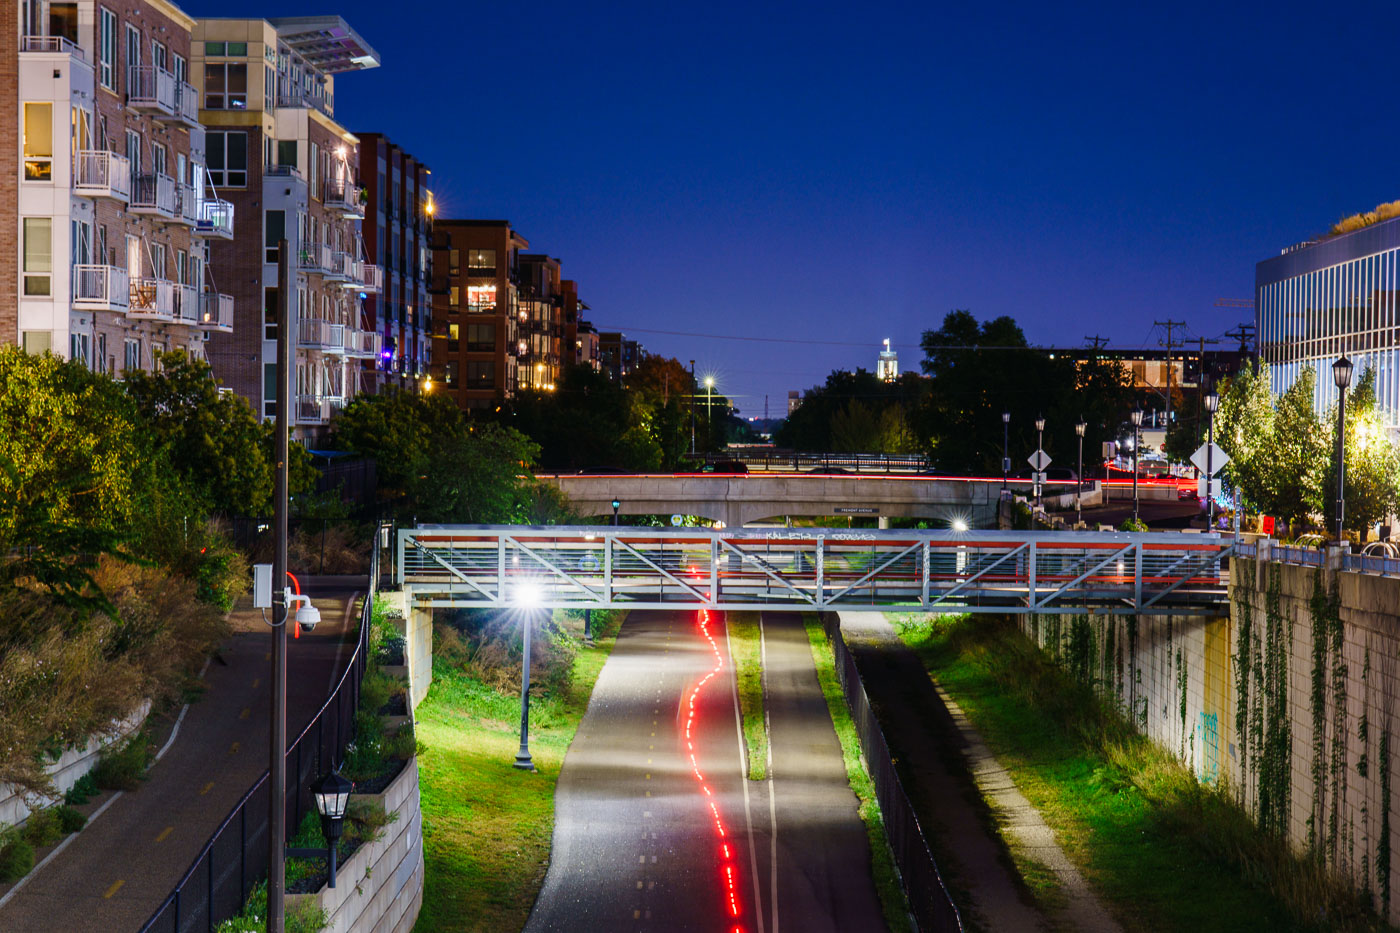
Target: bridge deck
{"points": [[813, 569]]}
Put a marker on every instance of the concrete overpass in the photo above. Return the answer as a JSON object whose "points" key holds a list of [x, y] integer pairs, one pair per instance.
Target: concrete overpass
{"points": [[740, 499]]}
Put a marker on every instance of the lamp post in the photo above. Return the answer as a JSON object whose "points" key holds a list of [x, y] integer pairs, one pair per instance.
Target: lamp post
{"points": [[1079, 476], [1005, 456], [1212, 404], [692, 407], [709, 424], [1039, 446], [527, 598], [332, 795], [616, 504], [1137, 423], [1341, 374]]}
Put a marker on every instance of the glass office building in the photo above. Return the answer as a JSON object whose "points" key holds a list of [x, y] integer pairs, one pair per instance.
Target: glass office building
{"points": [[1325, 298]]}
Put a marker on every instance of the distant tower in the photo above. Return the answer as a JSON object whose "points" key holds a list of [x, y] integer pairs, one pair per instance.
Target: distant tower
{"points": [[794, 400], [887, 367]]}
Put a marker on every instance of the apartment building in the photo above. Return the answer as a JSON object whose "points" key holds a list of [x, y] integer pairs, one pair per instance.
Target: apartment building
{"points": [[112, 204], [539, 356], [477, 337], [267, 96], [397, 228], [586, 346], [618, 356]]}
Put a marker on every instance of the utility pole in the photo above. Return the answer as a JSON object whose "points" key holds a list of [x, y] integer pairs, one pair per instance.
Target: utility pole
{"points": [[1098, 342], [1203, 378], [692, 407], [1171, 365], [277, 741]]}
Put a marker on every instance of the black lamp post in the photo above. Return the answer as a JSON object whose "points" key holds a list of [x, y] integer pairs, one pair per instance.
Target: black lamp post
{"points": [[332, 795], [1341, 374], [616, 504], [1137, 423], [1039, 447], [1079, 429], [1212, 405], [527, 599], [1005, 457]]}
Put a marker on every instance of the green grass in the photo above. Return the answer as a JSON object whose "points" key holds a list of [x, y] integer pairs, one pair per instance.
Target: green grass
{"points": [[892, 902], [1163, 852], [486, 826], [748, 668]]}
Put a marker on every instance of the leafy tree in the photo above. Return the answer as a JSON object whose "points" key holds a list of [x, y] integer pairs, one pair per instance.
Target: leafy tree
{"points": [[828, 419], [857, 428], [1296, 455], [1372, 481], [1244, 429]]}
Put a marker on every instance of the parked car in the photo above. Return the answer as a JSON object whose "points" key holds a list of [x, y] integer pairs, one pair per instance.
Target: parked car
{"points": [[829, 471]]}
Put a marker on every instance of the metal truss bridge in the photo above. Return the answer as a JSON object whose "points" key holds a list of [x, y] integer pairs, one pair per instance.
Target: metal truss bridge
{"points": [[504, 566]]}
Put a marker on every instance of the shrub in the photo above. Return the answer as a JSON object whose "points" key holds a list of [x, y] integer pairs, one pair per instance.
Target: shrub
{"points": [[81, 790], [42, 828], [365, 821], [306, 917], [70, 820], [221, 575], [403, 745], [123, 767], [16, 859], [1133, 524]]}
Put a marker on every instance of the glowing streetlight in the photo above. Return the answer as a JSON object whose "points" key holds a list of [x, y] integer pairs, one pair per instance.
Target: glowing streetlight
{"points": [[1079, 429], [528, 598], [709, 397], [1137, 423], [1341, 375]]}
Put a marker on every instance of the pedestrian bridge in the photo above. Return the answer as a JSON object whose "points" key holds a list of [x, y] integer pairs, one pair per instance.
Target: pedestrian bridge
{"points": [[737, 500], [577, 567]]}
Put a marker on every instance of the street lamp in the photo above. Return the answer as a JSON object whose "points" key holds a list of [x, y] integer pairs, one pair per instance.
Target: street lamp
{"points": [[709, 425], [1212, 405], [1137, 423], [692, 408], [616, 504], [1005, 457], [1039, 446], [332, 795], [527, 598], [1341, 374], [1079, 477]]}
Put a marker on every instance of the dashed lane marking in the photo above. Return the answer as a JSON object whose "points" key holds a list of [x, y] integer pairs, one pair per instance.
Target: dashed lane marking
{"points": [[256, 681], [233, 749], [206, 788], [165, 832], [116, 886], [245, 713]]}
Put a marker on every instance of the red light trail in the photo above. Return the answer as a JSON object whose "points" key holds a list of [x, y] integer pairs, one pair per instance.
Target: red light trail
{"points": [[726, 861]]}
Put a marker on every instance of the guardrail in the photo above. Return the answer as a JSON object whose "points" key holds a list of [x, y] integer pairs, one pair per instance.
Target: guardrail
{"points": [[235, 857], [929, 899], [788, 461]]}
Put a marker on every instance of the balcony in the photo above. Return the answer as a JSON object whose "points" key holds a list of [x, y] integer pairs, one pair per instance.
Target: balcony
{"points": [[371, 278], [186, 104], [100, 288], [215, 218], [343, 195], [186, 205], [315, 257], [313, 409], [151, 89], [53, 45], [154, 193], [216, 312], [316, 334], [362, 344], [152, 300], [296, 98], [341, 267], [186, 304], [103, 174]]}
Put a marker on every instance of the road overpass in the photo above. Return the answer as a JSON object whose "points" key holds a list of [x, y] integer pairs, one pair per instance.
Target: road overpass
{"points": [[739, 499]]}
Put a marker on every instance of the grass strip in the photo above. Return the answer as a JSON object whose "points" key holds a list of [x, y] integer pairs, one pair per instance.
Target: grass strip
{"points": [[892, 900], [746, 648], [487, 827], [1164, 852]]}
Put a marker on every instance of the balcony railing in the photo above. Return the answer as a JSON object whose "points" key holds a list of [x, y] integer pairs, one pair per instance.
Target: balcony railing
{"points": [[52, 44], [371, 278], [342, 194], [186, 204], [315, 257], [152, 299], [216, 311], [215, 218], [313, 409], [316, 334], [100, 288], [186, 304], [151, 89], [324, 103], [341, 266], [103, 174], [362, 344], [154, 193], [186, 103]]}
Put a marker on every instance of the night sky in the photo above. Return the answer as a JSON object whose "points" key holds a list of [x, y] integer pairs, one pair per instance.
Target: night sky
{"points": [[837, 174]]}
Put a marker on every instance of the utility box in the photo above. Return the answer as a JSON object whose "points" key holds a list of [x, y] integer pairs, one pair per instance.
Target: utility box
{"points": [[262, 586]]}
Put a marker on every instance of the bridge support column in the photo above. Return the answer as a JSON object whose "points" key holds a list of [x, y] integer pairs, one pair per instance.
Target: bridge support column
{"points": [[884, 521], [418, 650]]}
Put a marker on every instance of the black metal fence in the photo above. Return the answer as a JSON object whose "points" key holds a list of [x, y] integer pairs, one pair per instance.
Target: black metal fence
{"points": [[929, 900], [235, 857]]}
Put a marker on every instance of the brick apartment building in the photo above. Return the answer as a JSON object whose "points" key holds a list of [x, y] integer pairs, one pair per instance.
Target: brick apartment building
{"points": [[275, 150], [397, 229], [618, 356], [476, 332], [541, 323], [111, 202]]}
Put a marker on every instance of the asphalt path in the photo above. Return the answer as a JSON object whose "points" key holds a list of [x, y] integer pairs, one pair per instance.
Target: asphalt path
{"points": [[114, 873], [637, 842]]}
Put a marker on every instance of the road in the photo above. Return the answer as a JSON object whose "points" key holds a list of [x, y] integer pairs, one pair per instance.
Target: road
{"points": [[118, 870], [648, 838]]}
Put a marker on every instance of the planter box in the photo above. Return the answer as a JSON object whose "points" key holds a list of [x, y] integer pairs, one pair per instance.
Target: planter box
{"points": [[379, 889]]}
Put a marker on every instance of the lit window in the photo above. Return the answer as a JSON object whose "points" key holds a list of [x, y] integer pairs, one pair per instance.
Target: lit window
{"points": [[38, 256], [38, 142]]}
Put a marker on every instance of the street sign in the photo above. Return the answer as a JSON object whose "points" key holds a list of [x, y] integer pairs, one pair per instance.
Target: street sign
{"points": [[1039, 477], [858, 510], [1039, 460], [1218, 458], [1201, 490], [677, 520]]}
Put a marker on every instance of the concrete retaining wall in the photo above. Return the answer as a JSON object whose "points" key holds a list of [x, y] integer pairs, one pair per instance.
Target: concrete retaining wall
{"points": [[379, 889]]}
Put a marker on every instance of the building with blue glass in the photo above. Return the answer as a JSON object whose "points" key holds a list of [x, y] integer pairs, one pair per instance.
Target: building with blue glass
{"points": [[1324, 298]]}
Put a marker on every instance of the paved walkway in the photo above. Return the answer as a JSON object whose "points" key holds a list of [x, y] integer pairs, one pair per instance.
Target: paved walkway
{"points": [[122, 866]]}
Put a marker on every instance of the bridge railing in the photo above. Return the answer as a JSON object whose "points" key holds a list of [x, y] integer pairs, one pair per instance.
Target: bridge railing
{"points": [[791, 461], [811, 569]]}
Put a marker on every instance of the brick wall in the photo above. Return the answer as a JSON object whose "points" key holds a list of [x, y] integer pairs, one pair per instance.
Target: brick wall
{"points": [[9, 177]]}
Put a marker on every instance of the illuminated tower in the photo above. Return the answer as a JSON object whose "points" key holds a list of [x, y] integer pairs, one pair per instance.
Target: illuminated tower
{"points": [[887, 367]]}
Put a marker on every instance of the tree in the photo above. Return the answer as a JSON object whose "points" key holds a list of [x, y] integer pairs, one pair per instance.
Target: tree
{"points": [[1244, 429], [1296, 454], [1372, 481], [829, 418]]}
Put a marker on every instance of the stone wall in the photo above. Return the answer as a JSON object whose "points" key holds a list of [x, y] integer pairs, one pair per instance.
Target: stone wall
{"points": [[1290, 701], [379, 889]]}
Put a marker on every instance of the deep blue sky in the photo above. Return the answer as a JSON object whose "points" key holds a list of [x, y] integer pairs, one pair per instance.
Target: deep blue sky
{"points": [[848, 172]]}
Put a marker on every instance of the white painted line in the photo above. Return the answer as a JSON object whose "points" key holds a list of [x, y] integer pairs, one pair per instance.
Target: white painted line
{"points": [[744, 775], [772, 798]]}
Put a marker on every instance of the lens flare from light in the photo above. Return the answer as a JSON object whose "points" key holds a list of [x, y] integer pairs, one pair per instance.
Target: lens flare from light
{"points": [[528, 595]]}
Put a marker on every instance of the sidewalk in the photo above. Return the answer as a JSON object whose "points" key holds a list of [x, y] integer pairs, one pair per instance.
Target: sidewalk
{"points": [[122, 866]]}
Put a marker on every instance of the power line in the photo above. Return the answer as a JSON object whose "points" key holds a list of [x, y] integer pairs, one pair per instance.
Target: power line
{"points": [[847, 343]]}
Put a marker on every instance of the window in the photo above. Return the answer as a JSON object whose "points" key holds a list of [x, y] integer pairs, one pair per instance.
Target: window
{"points": [[80, 237], [481, 338], [454, 296], [454, 262], [275, 229], [107, 48], [449, 372], [226, 86], [481, 374], [80, 349], [131, 358], [133, 151], [100, 363], [38, 142], [453, 332], [270, 313], [227, 153], [182, 67], [481, 298], [237, 49], [287, 152], [38, 256], [133, 50], [37, 342], [216, 48], [481, 262], [158, 159], [158, 57]]}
